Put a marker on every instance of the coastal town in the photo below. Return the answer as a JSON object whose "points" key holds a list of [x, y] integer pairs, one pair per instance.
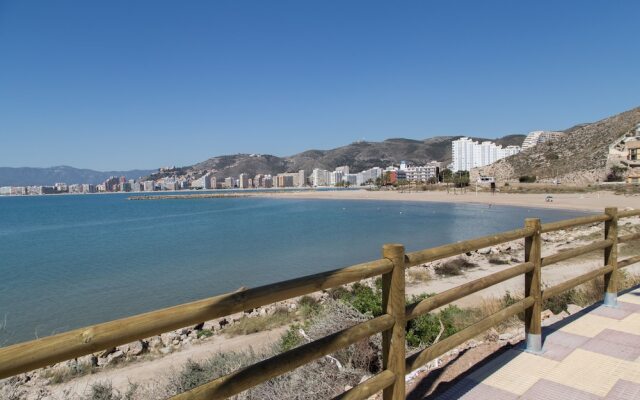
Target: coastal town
{"points": [[466, 154]]}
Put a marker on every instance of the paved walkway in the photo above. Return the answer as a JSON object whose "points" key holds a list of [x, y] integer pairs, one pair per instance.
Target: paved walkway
{"points": [[594, 356]]}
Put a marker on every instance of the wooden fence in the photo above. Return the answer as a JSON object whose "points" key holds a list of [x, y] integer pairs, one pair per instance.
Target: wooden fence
{"points": [[34, 354]]}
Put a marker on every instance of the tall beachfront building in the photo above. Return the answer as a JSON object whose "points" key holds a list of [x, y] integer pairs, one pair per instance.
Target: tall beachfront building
{"points": [[467, 153]]}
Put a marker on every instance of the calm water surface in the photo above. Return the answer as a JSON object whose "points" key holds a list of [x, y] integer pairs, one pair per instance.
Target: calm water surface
{"points": [[70, 261]]}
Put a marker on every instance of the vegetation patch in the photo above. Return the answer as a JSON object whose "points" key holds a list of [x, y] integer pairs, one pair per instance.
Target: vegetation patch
{"points": [[498, 260], [454, 267], [247, 325]]}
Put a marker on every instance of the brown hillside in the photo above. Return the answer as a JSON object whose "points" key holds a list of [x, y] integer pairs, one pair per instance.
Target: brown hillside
{"points": [[579, 157]]}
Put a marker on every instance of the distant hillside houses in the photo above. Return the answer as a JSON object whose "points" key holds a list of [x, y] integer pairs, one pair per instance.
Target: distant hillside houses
{"points": [[466, 153], [536, 137]]}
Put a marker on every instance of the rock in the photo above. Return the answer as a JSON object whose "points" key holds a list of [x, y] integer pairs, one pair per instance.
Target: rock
{"points": [[505, 336], [89, 360], [168, 338], [546, 314], [136, 348], [485, 251], [115, 357], [492, 335], [166, 350], [572, 309], [199, 327], [155, 343], [106, 353]]}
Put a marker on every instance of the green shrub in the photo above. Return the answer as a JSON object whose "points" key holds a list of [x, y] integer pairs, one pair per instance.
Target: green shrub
{"points": [[423, 331], [308, 306], [204, 333], [290, 339], [365, 299], [527, 179], [559, 303]]}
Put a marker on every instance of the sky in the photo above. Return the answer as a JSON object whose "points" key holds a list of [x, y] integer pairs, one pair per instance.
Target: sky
{"points": [[118, 85]]}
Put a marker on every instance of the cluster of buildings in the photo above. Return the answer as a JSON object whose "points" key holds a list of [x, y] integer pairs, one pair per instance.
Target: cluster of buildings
{"points": [[467, 153], [339, 177]]}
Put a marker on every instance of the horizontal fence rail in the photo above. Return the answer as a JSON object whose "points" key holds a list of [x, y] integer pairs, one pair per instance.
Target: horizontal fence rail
{"points": [[27, 356]]}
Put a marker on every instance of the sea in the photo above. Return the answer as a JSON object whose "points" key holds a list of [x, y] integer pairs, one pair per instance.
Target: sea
{"points": [[68, 261]]}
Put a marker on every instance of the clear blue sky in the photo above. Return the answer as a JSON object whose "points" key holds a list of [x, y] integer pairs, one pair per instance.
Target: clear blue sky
{"points": [[140, 84]]}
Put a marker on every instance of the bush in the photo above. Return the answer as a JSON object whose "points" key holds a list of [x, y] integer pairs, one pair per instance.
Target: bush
{"points": [[454, 267], [204, 333], [497, 261], [424, 330], [308, 306], [290, 339], [527, 179], [559, 303], [365, 299]]}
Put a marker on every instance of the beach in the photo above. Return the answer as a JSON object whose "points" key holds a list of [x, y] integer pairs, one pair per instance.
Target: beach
{"points": [[561, 201]]}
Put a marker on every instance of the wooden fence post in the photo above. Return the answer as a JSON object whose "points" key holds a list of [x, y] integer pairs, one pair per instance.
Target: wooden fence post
{"points": [[611, 258], [393, 303], [532, 286]]}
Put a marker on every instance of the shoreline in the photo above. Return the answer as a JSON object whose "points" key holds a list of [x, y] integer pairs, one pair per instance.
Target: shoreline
{"points": [[588, 202]]}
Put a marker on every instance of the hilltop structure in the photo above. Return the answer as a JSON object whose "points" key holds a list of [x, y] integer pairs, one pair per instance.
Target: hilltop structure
{"points": [[537, 137]]}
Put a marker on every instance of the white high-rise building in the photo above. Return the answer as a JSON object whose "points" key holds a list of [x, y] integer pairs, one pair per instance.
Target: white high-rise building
{"points": [[468, 154], [320, 177], [335, 177]]}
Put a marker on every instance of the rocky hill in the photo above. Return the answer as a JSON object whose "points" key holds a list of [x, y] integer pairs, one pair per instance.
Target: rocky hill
{"points": [[579, 157], [358, 156], [63, 173]]}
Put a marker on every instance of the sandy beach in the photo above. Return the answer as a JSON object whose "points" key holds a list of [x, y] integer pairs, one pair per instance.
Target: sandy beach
{"points": [[564, 201]]}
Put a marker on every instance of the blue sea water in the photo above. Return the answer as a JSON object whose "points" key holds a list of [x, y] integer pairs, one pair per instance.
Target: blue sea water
{"points": [[71, 261]]}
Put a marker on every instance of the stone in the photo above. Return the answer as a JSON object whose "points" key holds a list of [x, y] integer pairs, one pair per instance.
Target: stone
{"points": [[199, 326], [106, 353], [492, 335], [505, 336], [166, 350], [88, 360], [136, 348], [155, 343], [115, 357]]}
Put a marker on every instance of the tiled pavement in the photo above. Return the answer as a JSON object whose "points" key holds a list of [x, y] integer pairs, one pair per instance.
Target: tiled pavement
{"points": [[594, 356]]}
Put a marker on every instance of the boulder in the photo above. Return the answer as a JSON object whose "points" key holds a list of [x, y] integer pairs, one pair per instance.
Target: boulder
{"points": [[136, 348], [115, 357]]}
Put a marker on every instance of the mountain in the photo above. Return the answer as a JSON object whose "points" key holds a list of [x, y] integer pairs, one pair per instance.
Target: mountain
{"points": [[579, 157], [48, 176], [358, 156]]}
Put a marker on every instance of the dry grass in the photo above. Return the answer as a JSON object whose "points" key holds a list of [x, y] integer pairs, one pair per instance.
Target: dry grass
{"points": [[454, 267], [418, 274], [247, 325]]}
